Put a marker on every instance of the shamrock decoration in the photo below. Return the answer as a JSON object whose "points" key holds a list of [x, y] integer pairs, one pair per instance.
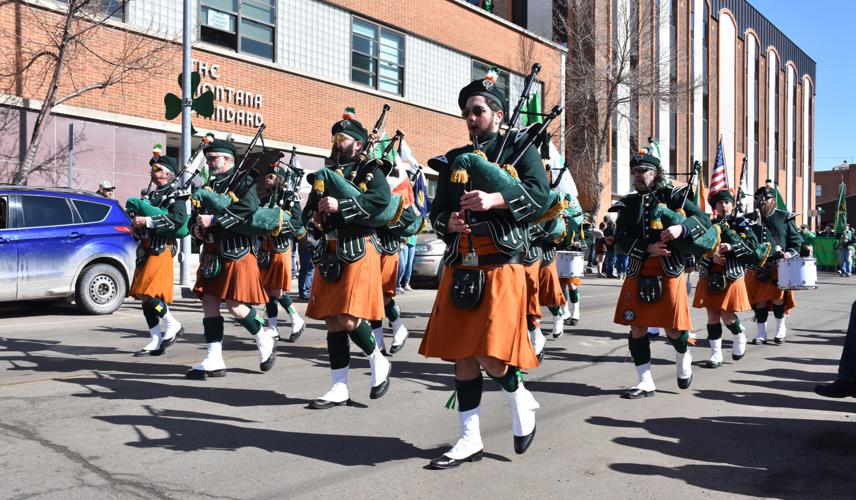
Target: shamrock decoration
{"points": [[203, 104]]}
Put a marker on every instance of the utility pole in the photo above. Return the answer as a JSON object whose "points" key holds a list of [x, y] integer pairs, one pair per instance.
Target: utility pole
{"points": [[186, 103]]}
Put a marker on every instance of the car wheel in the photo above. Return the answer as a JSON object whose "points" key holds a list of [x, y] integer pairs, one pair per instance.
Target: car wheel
{"points": [[100, 289]]}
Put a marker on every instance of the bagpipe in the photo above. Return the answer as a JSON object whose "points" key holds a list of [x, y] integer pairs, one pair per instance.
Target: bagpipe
{"points": [[331, 182], [210, 200], [178, 189], [286, 194]]}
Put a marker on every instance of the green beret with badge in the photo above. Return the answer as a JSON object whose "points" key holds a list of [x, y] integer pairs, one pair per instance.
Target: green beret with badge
{"points": [[487, 88], [348, 125]]}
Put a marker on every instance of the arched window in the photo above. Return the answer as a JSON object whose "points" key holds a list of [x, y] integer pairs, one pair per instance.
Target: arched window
{"points": [[772, 115], [752, 112]]}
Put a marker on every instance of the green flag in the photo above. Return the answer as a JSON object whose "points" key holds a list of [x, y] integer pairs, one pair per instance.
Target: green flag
{"points": [[380, 146], [533, 106], [841, 209]]}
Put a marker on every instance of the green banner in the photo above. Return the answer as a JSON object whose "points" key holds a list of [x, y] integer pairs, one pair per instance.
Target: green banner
{"points": [[826, 254]]}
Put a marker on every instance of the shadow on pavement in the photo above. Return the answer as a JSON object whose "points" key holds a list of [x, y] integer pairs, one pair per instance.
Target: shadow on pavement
{"points": [[768, 457]]}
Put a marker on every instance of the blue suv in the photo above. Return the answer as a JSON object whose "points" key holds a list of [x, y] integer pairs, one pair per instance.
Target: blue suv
{"points": [[60, 243]]}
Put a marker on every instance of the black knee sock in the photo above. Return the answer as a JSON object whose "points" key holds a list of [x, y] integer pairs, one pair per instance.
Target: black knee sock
{"points": [[149, 313], [735, 327], [252, 322], [286, 303], [159, 306], [212, 328], [391, 311], [510, 381], [680, 344], [575, 296], [714, 331], [338, 350], [362, 336], [376, 323], [530, 323], [779, 311], [554, 310], [469, 393], [271, 309], [761, 314], [640, 350]]}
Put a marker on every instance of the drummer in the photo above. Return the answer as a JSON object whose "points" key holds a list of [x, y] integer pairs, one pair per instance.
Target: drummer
{"points": [[777, 228], [573, 241]]}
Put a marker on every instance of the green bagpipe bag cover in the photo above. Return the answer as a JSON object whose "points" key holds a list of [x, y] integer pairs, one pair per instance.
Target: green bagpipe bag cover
{"points": [[707, 243], [327, 182], [144, 208], [209, 201], [408, 224]]}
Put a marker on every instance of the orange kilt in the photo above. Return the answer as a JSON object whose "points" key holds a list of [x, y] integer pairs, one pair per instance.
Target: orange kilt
{"points": [[533, 307], [760, 291], [670, 311], [389, 273], [549, 288], [278, 275], [570, 281], [238, 280], [356, 292], [733, 299], [155, 278], [496, 327]]}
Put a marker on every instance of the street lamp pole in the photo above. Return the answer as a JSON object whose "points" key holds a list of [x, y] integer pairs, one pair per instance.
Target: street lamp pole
{"points": [[186, 103]]}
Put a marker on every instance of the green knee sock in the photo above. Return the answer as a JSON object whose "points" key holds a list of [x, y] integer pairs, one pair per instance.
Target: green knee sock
{"points": [[566, 294], [362, 336], [285, 302], [391, 310], [640, 350], [271, 309], [761, 314], [554, 310], [680, 344], [252, 322], [714, 331], [149, 313], [575, 296], [779, 311], [469, 393], [510, 381], [212, 328], [338, 350], [735, 327]]}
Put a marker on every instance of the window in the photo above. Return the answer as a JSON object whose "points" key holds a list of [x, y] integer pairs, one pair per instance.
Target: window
{"points": [[818, 191], [705, 105], [794, 122], [502, 77], [377, 57], [41, 211], [246, 26], [673, 86], [113, 8], [90, 211]]}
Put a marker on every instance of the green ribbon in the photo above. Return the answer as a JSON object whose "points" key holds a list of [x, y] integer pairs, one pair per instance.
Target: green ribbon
{"points": [[450, 404]]}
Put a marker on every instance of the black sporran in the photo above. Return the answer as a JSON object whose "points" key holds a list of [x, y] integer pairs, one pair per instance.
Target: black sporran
{"points": [[763, 274], [467, 288], [264, 258], [211, 265], [650, 288], [716, 282], [330, 267], [142, 255]]}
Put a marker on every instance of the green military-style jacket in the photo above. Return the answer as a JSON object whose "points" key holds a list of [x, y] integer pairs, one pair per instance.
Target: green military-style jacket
{"points": [[507, 226], [176, 213], [291, 228], [780, 231], [357, 209], [633, 232], [745, 249]]}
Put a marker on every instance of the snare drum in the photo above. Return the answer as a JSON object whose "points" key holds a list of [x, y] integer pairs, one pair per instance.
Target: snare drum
{"points": [[570, 264], [798, 273]]}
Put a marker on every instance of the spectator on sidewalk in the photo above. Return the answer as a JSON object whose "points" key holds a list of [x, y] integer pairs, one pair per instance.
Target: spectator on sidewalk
{"points": [[599, 248], [845, 251], [845, 385], [307, 269], [106, 189], [405, 263], [609, 243]]}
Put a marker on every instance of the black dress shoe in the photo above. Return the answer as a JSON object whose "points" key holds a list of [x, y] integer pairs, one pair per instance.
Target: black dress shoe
{"points": [[378, 391], [778, 340], [637, 393], [557, 335], [685, 383], [323, 404], [521, 443], [168, 342], [574, 321], [540, 356], [712, 364], [838, 389], [395, 348], [266, 365], [444, 462], [194, 374], [757, 341], [296, 335], [145, 352]]}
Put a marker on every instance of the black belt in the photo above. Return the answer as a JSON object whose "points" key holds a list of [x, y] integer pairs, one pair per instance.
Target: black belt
{"points": [[494, 259], [480, 229]]}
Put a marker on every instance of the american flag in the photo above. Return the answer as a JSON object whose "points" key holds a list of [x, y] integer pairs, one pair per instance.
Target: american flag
{"points": [[718, 180]]}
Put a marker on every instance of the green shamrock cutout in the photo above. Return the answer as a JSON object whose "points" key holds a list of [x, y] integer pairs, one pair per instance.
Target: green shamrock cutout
{"points": [[203, 104]]}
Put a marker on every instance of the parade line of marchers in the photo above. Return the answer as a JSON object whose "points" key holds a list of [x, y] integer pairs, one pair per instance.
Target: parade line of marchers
{"points": [[514, 243]]}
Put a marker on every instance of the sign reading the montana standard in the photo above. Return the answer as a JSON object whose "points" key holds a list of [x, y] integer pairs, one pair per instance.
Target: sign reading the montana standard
{"points": [[232, 105]]}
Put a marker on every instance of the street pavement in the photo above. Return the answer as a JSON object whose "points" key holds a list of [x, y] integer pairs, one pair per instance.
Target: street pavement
{"points": [[81, 418]]}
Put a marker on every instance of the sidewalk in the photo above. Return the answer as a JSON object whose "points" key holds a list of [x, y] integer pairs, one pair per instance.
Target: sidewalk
{"points": [[185, 291]]}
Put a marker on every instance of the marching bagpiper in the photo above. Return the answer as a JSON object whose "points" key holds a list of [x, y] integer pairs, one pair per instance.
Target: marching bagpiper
{"points": [[153, 278]]}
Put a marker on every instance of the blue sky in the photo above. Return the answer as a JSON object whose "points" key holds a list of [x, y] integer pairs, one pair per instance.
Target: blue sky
{"points": [[824, 30]]}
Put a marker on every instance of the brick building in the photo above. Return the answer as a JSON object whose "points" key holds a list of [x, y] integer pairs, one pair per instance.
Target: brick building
{"points": [[755, 89], [827, 182], [291, 64]]}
